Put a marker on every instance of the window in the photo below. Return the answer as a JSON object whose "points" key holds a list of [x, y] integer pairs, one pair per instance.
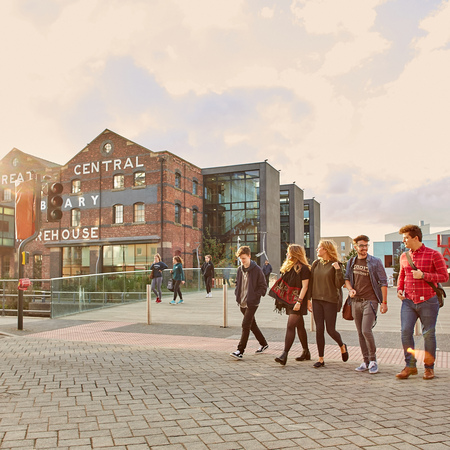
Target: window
{"points": [[37, 270], [177, 213], [119, 181], [75, 217], [76, 261], [195, 187], [7, 195], [76, 186], [139, 179], [118, 214], [139, 213], [178, 180], [119, 258], [195, 218]]}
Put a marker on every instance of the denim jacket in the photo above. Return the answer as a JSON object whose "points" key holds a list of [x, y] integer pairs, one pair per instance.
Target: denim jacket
{"points": [[377, 274]]}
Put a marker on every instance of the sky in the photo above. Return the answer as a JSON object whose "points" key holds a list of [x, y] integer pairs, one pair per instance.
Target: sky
{"points": [[349, 99]]}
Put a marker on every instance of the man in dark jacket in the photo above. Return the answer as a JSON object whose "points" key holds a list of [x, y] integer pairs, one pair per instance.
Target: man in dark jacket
{"points": [[250, 287], [267, 270]]}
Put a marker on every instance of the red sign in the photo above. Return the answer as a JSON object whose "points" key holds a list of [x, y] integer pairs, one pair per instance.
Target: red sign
{"points": [[25, 210], [24, 284]]}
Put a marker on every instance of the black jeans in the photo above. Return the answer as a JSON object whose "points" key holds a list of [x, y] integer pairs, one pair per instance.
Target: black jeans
{"points": [[208, 283], [249, 324], [177, 290], [295, 322], [325, 314]]}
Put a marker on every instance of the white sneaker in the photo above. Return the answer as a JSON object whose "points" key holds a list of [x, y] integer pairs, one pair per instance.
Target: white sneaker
{"points": [[210, 295], [207, 296], [373, 367], [362, 368]]}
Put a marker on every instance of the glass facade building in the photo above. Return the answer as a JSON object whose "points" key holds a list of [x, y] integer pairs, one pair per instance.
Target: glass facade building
{"points": [[232, 209], [285, 231]]}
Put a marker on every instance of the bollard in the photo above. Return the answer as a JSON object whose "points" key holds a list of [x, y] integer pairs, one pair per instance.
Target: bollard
{"points": [[225, 306], [149, 302]]}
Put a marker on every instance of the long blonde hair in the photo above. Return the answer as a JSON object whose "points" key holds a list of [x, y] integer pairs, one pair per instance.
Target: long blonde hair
{"points": [[331, 248], [297, 259]]}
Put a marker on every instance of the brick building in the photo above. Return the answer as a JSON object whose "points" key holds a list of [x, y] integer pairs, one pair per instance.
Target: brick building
{"points": [[122, 203]]}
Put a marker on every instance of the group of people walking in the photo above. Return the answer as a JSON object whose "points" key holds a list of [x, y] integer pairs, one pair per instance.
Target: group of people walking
{"points": [[318, 288], [178, 278]]}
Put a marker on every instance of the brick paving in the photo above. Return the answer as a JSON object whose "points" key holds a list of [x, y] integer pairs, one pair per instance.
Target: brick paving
{"points": [[84, 383], [72, 391], [109, 332]]}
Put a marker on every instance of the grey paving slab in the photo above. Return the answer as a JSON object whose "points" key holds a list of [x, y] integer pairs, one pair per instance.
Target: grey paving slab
{"points": [[135, 397]]}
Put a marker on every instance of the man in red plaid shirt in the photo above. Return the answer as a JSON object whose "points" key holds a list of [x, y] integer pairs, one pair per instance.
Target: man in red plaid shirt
{"points": [[419, 300]]}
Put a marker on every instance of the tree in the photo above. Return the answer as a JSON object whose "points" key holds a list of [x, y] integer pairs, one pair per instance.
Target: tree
{"points": [[212, 246], [350, 255]]}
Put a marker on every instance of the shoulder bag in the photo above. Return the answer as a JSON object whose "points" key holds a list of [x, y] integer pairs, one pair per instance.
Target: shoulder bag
{"points": [[438, 289], [347, 310]]}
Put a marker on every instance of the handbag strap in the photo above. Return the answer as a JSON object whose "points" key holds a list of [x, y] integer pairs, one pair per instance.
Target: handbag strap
{"points": [[408, 257]]}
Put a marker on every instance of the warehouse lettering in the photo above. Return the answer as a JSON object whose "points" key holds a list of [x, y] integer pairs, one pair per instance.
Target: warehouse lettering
{"points": [[65, 234]]}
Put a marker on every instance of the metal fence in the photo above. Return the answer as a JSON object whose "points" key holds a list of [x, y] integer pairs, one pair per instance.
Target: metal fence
{"points": [[37, 299], [71, 295], [60, 297]]}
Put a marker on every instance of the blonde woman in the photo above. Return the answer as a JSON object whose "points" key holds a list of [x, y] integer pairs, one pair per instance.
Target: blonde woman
{"points": [[327, 279], [295, 272]]}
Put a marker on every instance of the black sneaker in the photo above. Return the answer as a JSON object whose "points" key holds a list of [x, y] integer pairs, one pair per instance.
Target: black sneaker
{"points": [[237, 354], [263, 348]]}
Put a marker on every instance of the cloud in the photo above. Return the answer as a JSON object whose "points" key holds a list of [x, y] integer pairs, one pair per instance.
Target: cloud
{"points": [[339, 96]]}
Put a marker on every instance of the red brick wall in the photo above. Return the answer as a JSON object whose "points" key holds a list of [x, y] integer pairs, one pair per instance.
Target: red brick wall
{"points": [[179, 239]]}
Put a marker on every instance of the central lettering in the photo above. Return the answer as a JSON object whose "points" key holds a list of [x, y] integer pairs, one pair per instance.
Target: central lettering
{"points": [[116, 164]]}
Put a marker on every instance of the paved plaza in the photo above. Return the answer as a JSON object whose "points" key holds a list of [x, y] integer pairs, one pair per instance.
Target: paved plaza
{"points": [[106, 379]]}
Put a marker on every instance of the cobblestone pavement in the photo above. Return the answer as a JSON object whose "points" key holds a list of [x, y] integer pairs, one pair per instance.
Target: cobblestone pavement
{"points": [[57, 393]]}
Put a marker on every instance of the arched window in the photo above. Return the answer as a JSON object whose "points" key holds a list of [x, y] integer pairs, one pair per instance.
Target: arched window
{"points": [[139, 213], [195, 218], [118, 181], [76, 186], [195, 187], [178, 180], [75, 217], [118, 214], [177, 213], [139, 179]]}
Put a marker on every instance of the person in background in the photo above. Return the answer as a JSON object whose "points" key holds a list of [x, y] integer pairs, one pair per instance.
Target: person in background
{"points": [[267, 270], [295, 272], [327, 280], [208, 274], [366, 281], [250, 287], [157, 268], [178, 276], [419, 300]]}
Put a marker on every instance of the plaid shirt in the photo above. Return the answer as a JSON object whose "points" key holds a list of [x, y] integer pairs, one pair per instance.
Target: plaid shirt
{"points": [[434, 269]]}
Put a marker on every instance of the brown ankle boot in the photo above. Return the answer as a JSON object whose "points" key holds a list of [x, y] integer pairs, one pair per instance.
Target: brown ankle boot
{"points": [[406, 372]]}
